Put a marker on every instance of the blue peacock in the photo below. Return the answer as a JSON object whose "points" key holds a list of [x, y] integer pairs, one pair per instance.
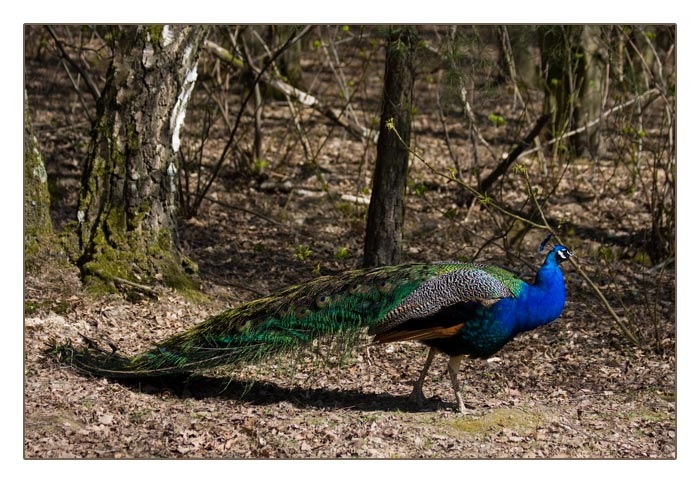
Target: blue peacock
{"points": [[460, 309]]}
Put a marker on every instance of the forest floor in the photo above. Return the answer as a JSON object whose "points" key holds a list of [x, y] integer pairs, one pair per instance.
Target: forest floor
{"points": [[573, 389]]}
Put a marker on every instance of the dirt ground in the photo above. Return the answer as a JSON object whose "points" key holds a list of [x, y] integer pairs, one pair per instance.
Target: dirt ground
{"points": [[573, 389]]}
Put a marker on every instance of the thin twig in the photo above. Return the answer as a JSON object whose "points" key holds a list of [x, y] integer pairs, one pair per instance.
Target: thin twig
{"points": [[503, 166], [304, 98], [296, 117], [76, 88], [244, 102], [257, 109], [245, 210], [482, 198], [472, 118], [508, 54], [596, 121], [92, 87], [441, 114], [340, 78]]}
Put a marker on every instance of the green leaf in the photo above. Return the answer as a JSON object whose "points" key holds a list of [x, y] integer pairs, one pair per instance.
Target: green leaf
{"points": [[497, 120], [519, 168], [259, 165]]}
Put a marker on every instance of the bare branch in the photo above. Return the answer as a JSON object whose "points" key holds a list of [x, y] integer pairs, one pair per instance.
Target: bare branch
{"points": [[655, 92], [304, 98], [92, 87], [486, 184]]}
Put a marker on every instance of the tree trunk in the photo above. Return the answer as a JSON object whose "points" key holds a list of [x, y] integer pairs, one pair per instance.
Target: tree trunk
{"points": [[573, 65], [555, 49], [289, 62], [588, 104], [523, 44], [128, 202], [386, 209], [38, 231]]}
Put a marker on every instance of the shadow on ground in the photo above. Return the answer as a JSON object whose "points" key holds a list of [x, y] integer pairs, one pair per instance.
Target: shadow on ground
{"points": [[263, 393]]}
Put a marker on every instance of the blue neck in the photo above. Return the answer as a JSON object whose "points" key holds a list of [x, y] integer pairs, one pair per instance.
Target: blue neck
{"points": [[543, 301]]}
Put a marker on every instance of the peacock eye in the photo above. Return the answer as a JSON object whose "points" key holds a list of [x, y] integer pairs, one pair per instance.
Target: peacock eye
{"points": [[322, 300], [302, 312], [384, 286], [564, 254]]}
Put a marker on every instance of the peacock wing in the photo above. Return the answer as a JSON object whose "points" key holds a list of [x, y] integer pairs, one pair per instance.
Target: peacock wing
{"points": [[470, 284]]}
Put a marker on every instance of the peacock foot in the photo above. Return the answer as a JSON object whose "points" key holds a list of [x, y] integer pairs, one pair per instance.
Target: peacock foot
{"points": [[462, 408], [417, 395]]}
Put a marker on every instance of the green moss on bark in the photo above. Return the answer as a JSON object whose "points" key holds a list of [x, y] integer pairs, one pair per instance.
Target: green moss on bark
{"points": [[39, 239], [128, 255], [156, 33]]}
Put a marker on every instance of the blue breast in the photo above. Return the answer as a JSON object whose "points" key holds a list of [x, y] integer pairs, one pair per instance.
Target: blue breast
{"points": [[490, 328]]}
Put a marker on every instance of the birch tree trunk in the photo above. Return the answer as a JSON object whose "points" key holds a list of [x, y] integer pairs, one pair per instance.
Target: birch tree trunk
{"points": [[128, 201], [384, 232]]}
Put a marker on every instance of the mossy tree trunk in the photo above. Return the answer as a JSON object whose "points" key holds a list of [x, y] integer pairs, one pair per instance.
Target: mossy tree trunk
{"points": [[128, 202], [38, 230], [384, 232]]}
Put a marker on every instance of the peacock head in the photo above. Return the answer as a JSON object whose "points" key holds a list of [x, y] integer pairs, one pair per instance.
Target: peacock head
{"points": [[561, 253]]}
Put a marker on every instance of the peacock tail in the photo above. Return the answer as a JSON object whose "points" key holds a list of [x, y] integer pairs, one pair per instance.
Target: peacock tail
{"points": [[382, 300]]}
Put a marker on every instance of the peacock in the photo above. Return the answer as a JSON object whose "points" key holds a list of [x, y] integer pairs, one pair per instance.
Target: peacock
{"points": [[460, 309]]}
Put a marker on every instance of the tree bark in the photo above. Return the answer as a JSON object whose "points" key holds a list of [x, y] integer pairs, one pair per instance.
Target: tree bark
{"points": [[128, 201], [38, 230], [523, 44], [289, 62], [386, 209], [588, 105], [572, 61], [555, 49]]}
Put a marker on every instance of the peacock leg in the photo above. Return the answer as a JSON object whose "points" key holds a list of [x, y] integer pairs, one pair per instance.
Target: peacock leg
{"points": [[417, 393], [453, 370]]}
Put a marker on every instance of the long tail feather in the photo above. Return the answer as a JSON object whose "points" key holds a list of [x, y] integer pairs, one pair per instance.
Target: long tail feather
{"points": [[340, 306]]}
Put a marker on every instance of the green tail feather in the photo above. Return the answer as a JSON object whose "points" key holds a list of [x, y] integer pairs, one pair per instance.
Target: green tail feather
{"points": [[339, 305]]}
